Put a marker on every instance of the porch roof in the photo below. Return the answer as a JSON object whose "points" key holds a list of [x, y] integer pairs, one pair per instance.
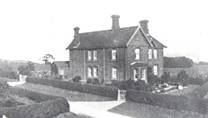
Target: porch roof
{"points": [[137, 64]]}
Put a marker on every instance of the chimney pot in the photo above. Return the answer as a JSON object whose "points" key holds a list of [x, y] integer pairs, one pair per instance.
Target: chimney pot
{"points": [[76, 31], [115, 21], [144, 26]]}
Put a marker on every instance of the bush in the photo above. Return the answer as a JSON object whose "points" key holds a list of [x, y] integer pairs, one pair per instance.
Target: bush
{"points": [[86, 88], [165, 78], [142, 86], [153, 80], [183, 78], [76, 79], [179, 103]]}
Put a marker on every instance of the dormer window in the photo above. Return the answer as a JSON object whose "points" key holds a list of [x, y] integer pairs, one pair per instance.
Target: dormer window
{"points": [[113, 54], [137, 53], [155, 55]]}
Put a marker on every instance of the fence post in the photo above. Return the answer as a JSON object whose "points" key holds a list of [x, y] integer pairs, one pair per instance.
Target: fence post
{"points": [[121, 95]]}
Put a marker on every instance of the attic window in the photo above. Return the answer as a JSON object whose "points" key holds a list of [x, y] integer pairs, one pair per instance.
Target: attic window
{"points": [[155, 54]]}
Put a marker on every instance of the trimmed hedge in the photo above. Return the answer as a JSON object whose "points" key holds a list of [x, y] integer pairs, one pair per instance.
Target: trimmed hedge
{"points": [[37, 97], [201, 91], [86, 88], [47, 106], [45, 109], [179, 103]]}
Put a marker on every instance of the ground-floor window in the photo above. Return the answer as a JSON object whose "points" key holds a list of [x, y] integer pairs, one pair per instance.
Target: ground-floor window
{"points": [[114, 73], [155, 70], [89, 72], [136, 74], [95, 71]]}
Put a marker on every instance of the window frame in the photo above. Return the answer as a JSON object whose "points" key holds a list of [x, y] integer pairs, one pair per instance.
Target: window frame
{"points": [[137, 53], [114, 73], [156, 66], [113, 54], [95, 69], [89, 74], [155, 53], [150, 55], [95, 56], [89, 55]]}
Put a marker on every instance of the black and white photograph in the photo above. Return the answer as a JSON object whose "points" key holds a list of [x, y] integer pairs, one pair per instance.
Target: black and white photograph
{"points": [[103, 59]]}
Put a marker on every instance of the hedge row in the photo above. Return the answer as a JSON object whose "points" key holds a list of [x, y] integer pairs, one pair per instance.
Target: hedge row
{"points": [[37, 97], [46, 109], [201, 91], [86, 88], [179, 103]]}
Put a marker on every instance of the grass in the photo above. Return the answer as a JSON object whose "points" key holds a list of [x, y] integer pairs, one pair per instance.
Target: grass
{"points": [[136, 110]]}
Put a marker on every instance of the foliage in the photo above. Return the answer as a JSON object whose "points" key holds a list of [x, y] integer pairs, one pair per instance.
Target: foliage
{"points": [[179, 103], [94, 81], [24, 70], [54, 69], [47, 58], [8, 74], [31, 66], [76, 79], [86, 88], [177, 62]]}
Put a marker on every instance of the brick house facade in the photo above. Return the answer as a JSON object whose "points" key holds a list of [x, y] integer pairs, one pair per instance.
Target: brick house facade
{"points": [[116, 54]]}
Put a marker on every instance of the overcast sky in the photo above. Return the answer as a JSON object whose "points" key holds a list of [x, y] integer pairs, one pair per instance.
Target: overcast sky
{"points": [[31, 28]]}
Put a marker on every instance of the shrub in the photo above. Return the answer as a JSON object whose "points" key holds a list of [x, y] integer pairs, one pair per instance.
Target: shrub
{"points": [[165, 77], [183, 77], [179, 103], [89, 80], [76, 79], [95, 81], [86, 88], [153, 80], [142, 86]]}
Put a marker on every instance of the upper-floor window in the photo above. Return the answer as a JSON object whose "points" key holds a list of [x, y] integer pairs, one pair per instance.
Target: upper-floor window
{"points": [[113, 54], [114, 73], [150, 54], [155, 70], [89, 55], [95, 72], [137, 53], [155, 55], [94, 55], [89, 72]]}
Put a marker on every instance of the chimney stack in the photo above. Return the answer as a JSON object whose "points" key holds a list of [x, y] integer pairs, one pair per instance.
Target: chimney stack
{"points": [[144, 26], [76, 32], [115, 22]]}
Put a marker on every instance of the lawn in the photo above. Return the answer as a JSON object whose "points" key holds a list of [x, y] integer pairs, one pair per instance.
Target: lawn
{"points": [[136, 110]]}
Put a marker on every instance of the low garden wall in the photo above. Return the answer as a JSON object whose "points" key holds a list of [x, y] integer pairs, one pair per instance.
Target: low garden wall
{"points": [[86, 88], [179, 103], [46, 106]]}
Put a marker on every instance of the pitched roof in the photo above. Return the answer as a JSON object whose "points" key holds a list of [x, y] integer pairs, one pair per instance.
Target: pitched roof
{"points": [[110, 39], [62, 64]]}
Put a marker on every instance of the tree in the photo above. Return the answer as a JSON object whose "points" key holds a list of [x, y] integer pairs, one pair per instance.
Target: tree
{"points": [[47, 58], [177, 62]]}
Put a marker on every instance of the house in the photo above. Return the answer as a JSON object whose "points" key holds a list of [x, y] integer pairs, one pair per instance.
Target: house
{"points": [[63, 68], [116, 54]]}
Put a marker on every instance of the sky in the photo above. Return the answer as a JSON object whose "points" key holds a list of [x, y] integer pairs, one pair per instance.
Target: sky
{"points": [[31, 28]]}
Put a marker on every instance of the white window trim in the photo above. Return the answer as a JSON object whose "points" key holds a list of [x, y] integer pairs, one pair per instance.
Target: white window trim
{"points": [[156, 72], [137, 52], [89, 55], [155, 53], [95, 55], [95, 71], [114, 73], [89, 72], [113, 54], [150, 54]]}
